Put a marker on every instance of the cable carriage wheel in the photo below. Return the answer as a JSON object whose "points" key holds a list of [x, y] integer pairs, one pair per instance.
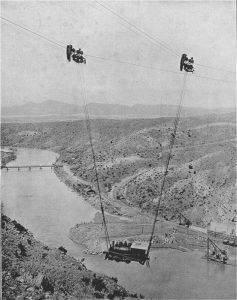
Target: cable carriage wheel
{"points": [[76, 55], [186, 63]]}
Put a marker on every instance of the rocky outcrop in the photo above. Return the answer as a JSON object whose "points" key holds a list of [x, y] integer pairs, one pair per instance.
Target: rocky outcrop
{"points": [[7, 156], [31, 270]]}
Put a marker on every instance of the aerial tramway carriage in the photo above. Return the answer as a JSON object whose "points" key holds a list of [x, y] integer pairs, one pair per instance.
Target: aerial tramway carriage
{"points": [[124, 251], [136, 251], [186, 63], [76, 55]]}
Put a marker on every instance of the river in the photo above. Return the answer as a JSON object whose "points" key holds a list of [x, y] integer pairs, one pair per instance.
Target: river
{"points": [[48, 208]]}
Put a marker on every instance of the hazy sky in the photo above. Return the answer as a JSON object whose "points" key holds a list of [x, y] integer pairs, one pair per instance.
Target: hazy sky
{"points": [[35, 70]]}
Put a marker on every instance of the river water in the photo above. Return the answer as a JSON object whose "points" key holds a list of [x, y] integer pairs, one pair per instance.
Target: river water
{"points": [[48, 208]]}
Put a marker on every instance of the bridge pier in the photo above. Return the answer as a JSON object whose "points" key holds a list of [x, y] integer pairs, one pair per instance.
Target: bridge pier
{"points": [[29, 167]]}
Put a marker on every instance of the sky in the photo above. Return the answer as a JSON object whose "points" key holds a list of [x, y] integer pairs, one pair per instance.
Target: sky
{"points": [[35, 70]]}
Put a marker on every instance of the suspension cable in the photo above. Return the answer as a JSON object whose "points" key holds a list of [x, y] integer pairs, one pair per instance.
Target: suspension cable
{"points": [[88, 127], [172, 140], [33, 32], [156, 41], [111, 59], [156, 69]]}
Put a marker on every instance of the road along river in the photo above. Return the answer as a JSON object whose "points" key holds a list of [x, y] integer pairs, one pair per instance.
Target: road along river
{"points": [[48, 208]]}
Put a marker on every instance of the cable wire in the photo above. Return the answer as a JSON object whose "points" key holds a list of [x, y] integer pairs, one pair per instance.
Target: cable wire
{"points": [[155, 40], [89, 131], [172, 140], [110, 59], [156, 69], [214, 68], [33, 32]]}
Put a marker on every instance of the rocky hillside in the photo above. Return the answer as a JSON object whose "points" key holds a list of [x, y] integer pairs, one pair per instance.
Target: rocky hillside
{"points": [[31, 270], [131, 155]]}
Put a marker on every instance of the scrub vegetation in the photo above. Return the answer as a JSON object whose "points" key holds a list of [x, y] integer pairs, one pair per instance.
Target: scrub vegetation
{"points": [[31, 270], [131, 155]]}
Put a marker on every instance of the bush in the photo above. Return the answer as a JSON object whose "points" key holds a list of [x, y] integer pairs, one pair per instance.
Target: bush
{"points": [[62, 249], [86, 280], [98, 284]]}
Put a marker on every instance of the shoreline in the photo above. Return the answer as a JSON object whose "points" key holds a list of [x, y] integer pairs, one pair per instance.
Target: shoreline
{"points": [[32, 270], [92, 242], [89, 236], [87, 191]]}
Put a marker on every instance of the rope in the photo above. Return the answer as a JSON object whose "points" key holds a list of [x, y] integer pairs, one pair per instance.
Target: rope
{"points": [[172, 140], [88, 126]]}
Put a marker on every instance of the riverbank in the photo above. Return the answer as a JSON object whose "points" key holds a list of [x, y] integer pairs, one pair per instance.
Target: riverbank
{"points": [[130, 157], [32, 270], [167, 235], [40, 209], [7, 155], [88, 191], [136, 225]]}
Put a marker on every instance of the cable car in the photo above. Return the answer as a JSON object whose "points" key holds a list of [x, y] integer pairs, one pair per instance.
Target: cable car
{"points": [[137, 251], [123, 251], [76, 55], [186, 64]]}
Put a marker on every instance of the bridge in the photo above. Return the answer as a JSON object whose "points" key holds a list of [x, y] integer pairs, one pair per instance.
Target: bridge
{"points": [[31, 167]]}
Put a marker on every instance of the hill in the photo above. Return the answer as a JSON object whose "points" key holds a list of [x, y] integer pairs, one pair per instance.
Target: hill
{"points": [[130, 157], [55, 110], [31, 270], [43, 108]]}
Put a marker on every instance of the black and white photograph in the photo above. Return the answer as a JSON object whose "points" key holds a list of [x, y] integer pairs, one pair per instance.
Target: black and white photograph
{"points": [[118, 150]]}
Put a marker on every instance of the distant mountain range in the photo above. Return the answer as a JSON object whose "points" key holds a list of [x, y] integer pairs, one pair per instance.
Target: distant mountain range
{"points": [[57, 108]]}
